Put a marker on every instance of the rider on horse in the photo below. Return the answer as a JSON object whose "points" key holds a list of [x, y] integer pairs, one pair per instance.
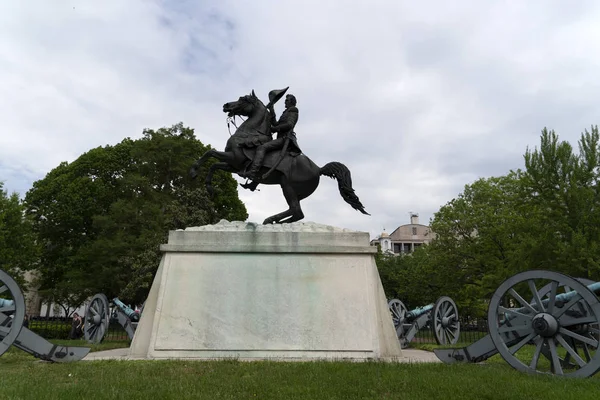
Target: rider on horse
{"points": [[285, 133], [298, 177]]}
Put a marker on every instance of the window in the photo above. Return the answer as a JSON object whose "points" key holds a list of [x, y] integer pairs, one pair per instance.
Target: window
{"points": [[414, 230]]}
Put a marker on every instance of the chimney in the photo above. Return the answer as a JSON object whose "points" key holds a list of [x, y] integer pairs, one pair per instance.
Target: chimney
{"points": [[414, 218]]}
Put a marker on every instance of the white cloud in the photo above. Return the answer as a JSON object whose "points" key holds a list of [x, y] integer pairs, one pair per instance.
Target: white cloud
{"points": [[417, 99]]}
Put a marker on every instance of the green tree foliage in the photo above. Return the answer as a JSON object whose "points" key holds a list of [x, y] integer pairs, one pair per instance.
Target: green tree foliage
{"points": [[482, 238], [389, 268], [546, 216], [101, 219], [478, 244], [405, 277], [563, 187], [18, 250]]}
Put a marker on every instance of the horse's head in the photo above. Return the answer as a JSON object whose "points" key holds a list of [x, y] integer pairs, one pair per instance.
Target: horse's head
{"points": [[245, 105]]}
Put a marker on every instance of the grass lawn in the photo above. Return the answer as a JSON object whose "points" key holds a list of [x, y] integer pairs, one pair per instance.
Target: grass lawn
{"points": [[24, 377]]}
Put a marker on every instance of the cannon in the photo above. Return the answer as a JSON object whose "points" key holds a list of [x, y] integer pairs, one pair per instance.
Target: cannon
{"points": [[540, 322], [98, 317], [13, 333], [443, 314]]}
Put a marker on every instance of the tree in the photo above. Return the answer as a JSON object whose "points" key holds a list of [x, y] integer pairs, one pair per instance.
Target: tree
{"points": [[102, 218], [18, 250], [563, 186], [388, 269], [407, 277], [546, 216], [481, 238]]}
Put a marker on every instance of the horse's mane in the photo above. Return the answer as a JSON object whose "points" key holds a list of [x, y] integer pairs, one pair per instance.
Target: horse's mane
{"points": [[255, 101]]}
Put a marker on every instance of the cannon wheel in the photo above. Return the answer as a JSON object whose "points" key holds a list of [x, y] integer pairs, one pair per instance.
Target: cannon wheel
{"points": [[398, 310], [11, 316], [97, 318], [446, 325], [555, 331], [567, 360]]}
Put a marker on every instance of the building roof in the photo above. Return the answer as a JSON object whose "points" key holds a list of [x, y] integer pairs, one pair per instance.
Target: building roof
{"points": [[401, 226]]}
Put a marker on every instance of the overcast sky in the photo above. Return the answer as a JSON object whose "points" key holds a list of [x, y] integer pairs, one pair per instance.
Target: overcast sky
{"points": [[416, 98]]}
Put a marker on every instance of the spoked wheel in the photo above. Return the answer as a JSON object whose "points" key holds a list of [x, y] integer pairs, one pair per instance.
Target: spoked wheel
{"points": [[593, 328], [398, 311], [554, 333], [12, 311], [97, 318], [445, 321]]}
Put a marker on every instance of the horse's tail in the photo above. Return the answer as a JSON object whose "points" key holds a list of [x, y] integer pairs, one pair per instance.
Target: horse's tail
{"points": [[341, 173]]}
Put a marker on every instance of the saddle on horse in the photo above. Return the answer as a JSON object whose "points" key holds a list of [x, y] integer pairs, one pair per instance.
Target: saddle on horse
{"points": [[272, 159]]}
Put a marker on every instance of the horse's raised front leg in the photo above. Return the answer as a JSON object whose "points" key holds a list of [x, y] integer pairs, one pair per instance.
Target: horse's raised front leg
{"points": [[223, 166], [199, 162], [225, 156], [294, 213]]}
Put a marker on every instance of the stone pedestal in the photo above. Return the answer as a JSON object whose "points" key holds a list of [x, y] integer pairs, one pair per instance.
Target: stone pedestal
{"points": [[248, 291]]}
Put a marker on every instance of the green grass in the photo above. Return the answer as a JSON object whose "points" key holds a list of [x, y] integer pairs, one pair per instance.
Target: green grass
{"points": [[24, 377], [525, 355], [16, 356]]}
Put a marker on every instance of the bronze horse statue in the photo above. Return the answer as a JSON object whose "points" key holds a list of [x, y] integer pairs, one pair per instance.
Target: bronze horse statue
{"points": [[297, 174]]}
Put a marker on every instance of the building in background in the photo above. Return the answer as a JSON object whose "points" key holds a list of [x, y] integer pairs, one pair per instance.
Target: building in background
{"points": [[33, 301], [35, 306], [406, 238]]}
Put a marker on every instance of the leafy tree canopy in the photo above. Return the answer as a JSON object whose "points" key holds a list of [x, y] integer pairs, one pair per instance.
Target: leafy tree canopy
{"points": [[546, 216], [101, 219], [18, 251]]}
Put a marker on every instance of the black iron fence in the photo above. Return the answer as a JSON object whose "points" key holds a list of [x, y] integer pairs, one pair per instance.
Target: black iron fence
{"points": [[62, 328], [471, 330]]}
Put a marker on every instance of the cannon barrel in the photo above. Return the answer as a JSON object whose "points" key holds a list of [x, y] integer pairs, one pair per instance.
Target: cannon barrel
{"points": [[417, 312], [126, 310], [6, 303], [566, 297], [559, 300]]}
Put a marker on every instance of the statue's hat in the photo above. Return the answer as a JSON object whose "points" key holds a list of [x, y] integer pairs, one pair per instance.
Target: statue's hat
{"points": [[275, 95]]}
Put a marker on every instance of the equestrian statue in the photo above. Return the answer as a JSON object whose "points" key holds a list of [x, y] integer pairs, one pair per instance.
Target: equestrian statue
{"points": [[251, 152]]}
